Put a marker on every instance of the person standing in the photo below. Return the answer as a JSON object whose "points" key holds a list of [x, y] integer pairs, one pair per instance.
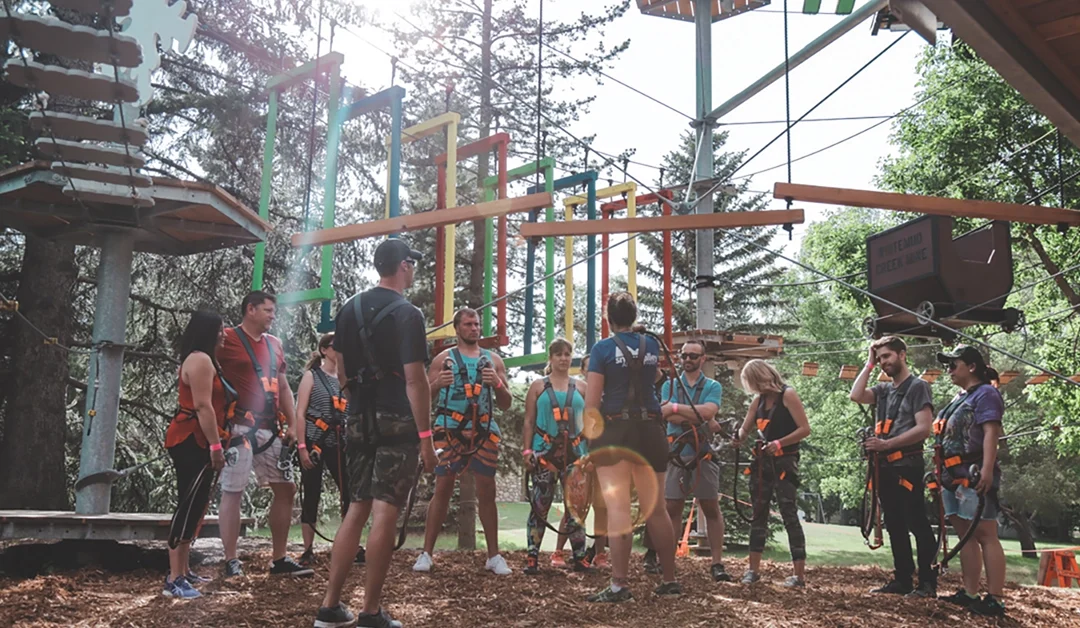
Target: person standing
{"points": [[553, 420], [264, 424], [193, 440], [467, 383], [322, 441], [967, 431], [693, 404], [904, 414], [778, 417], [383, 346], [627, 444]]}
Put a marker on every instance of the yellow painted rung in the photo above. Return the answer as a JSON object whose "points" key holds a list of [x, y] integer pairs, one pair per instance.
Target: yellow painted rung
{"points": [[428, 127], [616, 190]]}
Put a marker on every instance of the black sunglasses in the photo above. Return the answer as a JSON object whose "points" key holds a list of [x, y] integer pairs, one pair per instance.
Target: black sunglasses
{"points": [[951, 366], [691, 356]]}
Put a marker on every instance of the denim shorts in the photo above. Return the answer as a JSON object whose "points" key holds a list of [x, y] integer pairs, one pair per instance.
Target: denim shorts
{"points": [[964, 501]]}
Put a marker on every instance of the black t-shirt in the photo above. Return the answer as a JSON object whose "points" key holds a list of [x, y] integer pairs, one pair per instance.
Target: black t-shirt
{"points": [[399, 339]]}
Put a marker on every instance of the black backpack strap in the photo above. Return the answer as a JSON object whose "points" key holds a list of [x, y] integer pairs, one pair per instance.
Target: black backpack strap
{"points": [[251, 353], [635, 364], [696, 391], [365, 333]]}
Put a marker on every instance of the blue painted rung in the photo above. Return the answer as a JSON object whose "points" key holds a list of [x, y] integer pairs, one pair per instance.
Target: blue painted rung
{"points": [[567, 182], [373, 102]]}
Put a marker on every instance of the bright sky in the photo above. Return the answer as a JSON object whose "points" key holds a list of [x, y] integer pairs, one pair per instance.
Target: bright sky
{"points": [[660, 62]]}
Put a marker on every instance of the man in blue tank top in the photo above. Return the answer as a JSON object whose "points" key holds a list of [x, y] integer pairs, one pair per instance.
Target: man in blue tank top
{"points": [[467, 383]]}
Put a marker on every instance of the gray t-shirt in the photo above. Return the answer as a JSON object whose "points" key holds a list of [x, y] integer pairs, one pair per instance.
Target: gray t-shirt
{"points": [[918, 396]]}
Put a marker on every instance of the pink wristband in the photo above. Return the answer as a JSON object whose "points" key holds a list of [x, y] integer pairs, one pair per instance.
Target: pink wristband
{"points": [[215, 447], [498, 383], [675, 408], [425, 434], [302, 446], [527, 452], [779, 448]]}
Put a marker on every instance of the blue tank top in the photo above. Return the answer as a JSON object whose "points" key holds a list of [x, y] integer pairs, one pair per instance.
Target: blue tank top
{"points": [[545, 418], [453, 399]]}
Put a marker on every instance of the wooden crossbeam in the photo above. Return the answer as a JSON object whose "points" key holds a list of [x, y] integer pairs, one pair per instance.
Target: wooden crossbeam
{"points": [[721, 220], [965, 208], [425, 220]]}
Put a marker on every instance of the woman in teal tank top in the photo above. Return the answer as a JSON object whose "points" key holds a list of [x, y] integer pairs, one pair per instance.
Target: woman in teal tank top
{"points": [[554, 407]]}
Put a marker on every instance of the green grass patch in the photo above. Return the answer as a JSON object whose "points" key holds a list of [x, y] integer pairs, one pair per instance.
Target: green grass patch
{"points": [[830, 545]]}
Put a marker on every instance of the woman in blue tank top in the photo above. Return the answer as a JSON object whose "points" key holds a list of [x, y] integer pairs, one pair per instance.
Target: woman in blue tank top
{"points": [[554, 407]]}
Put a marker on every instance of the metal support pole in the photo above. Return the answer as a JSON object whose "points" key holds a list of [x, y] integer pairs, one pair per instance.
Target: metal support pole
{"points": [[590, 297], [811, 49], [706, 314], [106, 369]]}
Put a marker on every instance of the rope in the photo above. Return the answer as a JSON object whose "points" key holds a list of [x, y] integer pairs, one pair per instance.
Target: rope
{"points": [[539, 87]]}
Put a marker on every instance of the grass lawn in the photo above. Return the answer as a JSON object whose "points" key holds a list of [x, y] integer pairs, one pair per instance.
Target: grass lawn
{"points": [[833, 545]]}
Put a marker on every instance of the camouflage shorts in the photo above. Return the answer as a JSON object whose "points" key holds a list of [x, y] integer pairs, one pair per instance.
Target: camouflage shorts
{"points": [[386, 473]]}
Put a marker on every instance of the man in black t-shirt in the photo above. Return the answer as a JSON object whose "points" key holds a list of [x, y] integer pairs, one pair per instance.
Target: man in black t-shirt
{"points": [[904, 413], [389, 427]]}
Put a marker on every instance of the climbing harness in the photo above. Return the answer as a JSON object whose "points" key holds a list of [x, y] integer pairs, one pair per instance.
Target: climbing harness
{"points": [[760, 458], [475, 418], [268, 418], [634, 398], [560, 458], [336, 425], [870, 509]]}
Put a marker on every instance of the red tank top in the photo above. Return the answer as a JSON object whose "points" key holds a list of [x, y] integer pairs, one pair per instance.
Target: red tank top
{"points": [[186, 422]]}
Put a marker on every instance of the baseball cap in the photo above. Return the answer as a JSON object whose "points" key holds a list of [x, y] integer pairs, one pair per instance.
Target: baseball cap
{"points": [[964, 353], [392, 252]]}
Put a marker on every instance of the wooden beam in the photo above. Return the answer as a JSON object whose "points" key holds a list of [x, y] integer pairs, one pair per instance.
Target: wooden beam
{"points": [[719, 220], [964, 208], [1065, 27], [425, 220]]}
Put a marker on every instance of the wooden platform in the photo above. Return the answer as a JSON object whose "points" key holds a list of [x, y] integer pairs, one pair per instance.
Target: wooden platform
{"points": [[116, 526], [724, 345]]}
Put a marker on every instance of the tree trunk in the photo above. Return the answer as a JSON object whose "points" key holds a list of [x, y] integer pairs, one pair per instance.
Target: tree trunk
{"points": [[1023, 531], [32, 452], [1052, 268], [467, 514]]}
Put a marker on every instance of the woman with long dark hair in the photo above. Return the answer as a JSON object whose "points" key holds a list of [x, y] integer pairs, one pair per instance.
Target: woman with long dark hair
{"points": [[628, 444], [320, 402], [776, 415], [193, 440], [967, 431]]}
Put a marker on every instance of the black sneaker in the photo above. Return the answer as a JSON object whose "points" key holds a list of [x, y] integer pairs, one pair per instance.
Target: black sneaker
{"points": [[611, 597], [289, 567], [989, 606], [719, 574], [335, 617], [361, 556], [307, 559], [590, 556], [381, 619], [652, 565], [668, 588], [532, 565], [895, 587], [927, 590], [960, 598], [580, 566], [234, 568]]}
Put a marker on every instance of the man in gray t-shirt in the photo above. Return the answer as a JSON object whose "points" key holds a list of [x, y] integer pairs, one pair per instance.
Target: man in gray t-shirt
{"points": [[903, 415]]}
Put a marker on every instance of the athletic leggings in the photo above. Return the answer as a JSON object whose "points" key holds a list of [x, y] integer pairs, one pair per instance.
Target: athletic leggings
{"points": [[312, 481], [190, 460], [781, 477], [543, 493]]}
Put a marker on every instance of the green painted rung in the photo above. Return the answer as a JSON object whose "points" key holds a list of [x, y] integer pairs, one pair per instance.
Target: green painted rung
{"points": [[811, 6], [526, 360], [306, 296], [322, 64], [844, 7]]}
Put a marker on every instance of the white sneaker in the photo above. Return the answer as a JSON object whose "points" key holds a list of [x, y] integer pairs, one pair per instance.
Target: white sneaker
{"points": [[497, 565], [423, 562]]}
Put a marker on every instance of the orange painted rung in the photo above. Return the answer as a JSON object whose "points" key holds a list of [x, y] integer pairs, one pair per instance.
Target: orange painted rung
{"points": [[1058, 568]]}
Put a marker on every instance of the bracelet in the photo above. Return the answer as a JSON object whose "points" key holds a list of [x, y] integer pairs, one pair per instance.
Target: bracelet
{"points": [[425, 434], [779, 448], [675, 408], [527, 452], [302, 446], [216, 446], [498, 383]]}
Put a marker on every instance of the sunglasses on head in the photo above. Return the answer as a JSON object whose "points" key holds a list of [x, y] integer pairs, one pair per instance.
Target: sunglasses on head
{"points": [[691, 356]]}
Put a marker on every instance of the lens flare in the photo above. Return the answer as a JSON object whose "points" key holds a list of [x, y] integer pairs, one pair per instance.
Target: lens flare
{"points": [[628, 488], [592, 424]]}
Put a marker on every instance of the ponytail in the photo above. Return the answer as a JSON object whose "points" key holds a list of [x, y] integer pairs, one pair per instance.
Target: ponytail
{"points": [[990, 375], [314, 361]]}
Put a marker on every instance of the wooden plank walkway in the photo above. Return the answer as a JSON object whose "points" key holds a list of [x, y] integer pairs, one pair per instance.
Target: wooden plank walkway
{"points": [[117, 526]]}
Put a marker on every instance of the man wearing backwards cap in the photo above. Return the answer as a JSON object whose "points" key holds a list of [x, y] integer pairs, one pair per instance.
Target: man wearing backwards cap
{"points": [[389, 426]]}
